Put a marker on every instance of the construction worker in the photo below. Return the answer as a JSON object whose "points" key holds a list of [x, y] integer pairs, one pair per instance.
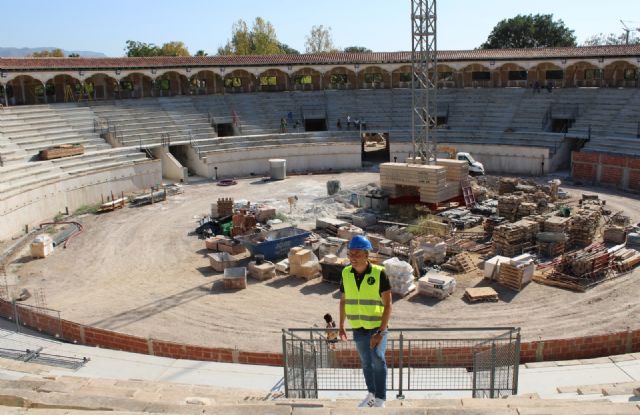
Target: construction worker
{"points": [[366, 303]]}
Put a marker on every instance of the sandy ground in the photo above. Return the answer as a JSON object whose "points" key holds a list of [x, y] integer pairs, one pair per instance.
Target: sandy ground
{"points": [[139, 271]]}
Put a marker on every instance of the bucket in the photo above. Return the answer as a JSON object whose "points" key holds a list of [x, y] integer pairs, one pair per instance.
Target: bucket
{"points": [[278, 169]]}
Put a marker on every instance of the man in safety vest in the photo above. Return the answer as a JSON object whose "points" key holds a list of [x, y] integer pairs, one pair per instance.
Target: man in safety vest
{"points": [[366, 303]]}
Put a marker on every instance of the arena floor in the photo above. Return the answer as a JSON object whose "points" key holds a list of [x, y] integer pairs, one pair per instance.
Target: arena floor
{"points": [[140, 271]]}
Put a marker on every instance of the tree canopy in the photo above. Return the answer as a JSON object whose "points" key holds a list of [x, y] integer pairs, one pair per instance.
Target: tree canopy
{"points": [[357, 49], [141, 49], [529, 31], [260, 40], [54, 53], [612, 39], [319, 40]]}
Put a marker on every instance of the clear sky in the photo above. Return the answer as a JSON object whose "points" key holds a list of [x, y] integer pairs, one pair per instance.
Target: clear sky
{"points": [[380, 25]]}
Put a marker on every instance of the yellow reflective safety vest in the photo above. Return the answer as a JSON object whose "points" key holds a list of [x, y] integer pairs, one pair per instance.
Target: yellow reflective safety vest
{"points": [[364, 306]]}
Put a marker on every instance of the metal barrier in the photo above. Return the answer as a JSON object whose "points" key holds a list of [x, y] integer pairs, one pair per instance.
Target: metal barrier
{"points": [[483, 361]]}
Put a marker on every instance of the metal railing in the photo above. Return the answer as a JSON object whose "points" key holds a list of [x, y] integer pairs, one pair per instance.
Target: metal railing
{"points": [[483, 361]]}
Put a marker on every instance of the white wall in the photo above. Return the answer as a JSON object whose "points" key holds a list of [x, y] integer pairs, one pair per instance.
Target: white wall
{"points": [[300, 157], [523, 160], [41, 204], [171, 168]]}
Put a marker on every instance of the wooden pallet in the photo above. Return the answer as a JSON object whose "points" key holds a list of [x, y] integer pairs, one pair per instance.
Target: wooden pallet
{"points": [[466, 262], [480, 294], [510, 276]]}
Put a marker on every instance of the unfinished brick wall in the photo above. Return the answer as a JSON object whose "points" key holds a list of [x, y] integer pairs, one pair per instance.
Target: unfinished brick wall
{"points": [[598, 345], [598, 168]]}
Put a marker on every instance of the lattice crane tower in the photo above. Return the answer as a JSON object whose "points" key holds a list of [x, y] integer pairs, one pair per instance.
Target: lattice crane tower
{"points": [[423, 87]]}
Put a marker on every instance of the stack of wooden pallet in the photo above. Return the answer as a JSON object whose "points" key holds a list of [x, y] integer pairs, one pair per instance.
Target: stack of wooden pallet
{"points": [[556, 224], [583, 227], [527, 209], [508, 207], [510, 276], [456, 169], [509, 239], [507, 185], [430, 182], [491, 222]]}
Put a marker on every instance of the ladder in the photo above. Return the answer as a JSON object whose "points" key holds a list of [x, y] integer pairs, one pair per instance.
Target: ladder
{"points": [[467, 193]]}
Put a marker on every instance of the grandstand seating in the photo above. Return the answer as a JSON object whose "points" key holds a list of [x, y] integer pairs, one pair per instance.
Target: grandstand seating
{"points": [[143, 122], [29, 388], [34, 128]]}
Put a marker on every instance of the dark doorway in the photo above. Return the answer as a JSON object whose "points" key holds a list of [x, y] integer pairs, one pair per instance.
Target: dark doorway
{"points": [[375, 147], [315, 124], [224, 129], [561, 125]]}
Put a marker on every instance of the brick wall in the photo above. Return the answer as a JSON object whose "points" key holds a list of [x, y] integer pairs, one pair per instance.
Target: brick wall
{"points": [[598, 168], [597, 345]]}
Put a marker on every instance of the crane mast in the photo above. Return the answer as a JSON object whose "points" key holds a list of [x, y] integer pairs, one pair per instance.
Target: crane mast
{"points": [[424, 80]]}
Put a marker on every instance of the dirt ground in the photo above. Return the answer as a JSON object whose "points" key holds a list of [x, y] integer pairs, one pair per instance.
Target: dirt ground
{"points": [[140, 271]]}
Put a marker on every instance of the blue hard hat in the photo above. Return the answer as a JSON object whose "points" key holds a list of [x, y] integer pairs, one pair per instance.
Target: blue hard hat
{"points": [[360, 242]]}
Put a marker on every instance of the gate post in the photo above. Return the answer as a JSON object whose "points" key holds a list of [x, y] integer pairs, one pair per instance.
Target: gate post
{"points": [[284, 364], [516, 364], [400, 367], [493, 371], [304, 390]]}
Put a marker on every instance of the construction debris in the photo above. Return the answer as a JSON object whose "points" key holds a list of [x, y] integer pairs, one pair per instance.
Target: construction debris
{"points": [[580, 270]]}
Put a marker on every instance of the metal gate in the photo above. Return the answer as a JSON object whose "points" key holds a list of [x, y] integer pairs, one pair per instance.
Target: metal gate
{"points": [[300, 366], [483, 361]]}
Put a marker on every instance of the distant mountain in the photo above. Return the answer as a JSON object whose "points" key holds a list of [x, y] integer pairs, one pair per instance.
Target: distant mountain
{"points": [[21, 52]]}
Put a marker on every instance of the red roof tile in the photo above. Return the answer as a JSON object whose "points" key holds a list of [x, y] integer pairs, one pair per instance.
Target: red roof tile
{"points": [[314, 59]]}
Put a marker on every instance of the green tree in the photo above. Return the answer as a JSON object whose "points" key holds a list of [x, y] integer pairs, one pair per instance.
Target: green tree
{"points": [[141, 49], [201, 52], [54, 53], [612, 39], [286, 49], [357, 49], [260, 40], [319, 40], [174, 48], [73, 55], [529, 32]]}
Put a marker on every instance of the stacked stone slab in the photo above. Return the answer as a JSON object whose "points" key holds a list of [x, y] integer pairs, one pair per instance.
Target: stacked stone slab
{"points": [[429, 182], [507, 185], [261, 272]]}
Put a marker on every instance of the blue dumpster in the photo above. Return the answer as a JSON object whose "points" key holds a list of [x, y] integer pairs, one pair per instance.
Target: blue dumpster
{"points": [[274, 244]]}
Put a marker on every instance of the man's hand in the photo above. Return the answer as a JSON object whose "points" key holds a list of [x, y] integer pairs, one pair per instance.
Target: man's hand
{"points": [[342, 333], [375, 340]]}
